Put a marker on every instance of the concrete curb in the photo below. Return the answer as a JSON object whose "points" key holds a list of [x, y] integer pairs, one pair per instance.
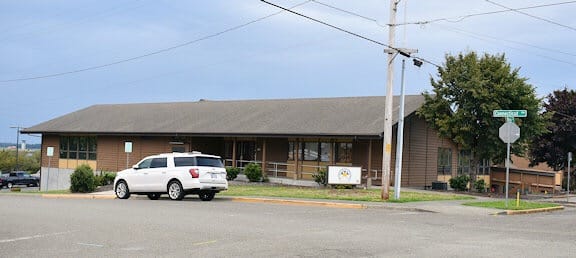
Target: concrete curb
{"points": [[520, 212], [301, 202]]}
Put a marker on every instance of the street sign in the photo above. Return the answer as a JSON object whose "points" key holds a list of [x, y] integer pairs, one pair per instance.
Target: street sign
{"points": [[509, 113], [509, 132]]}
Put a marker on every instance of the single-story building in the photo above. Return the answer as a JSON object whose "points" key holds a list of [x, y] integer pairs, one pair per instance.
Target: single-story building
{"points": [[291, 138]]}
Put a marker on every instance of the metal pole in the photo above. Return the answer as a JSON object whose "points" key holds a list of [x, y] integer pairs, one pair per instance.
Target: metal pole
{"points": [[387, 137], [568, 183], [507, 166], [400, 138]]}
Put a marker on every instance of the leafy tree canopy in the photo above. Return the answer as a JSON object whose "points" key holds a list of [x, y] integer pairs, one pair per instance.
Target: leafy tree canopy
{"points": [[553, 146], [466, 92]]}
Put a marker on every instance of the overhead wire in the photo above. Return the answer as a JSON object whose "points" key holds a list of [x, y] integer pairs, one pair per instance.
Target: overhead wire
{"points": [[154, 52], [533, 16], [478, 36], [463, 17], [398, 50]]}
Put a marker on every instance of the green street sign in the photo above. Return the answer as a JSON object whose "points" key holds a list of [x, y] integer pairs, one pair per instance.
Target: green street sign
{"points": [[509, 113]]}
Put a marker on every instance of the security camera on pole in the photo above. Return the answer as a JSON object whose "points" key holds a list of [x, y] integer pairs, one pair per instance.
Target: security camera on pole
{"points": [[509, 132]]}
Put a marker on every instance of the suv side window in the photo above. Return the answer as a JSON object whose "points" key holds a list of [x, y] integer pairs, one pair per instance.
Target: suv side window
{"points": [[158, 163], [145, 163], [184, 161]]}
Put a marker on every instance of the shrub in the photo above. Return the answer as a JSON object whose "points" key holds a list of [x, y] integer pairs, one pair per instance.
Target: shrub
{"points": [[82, 180], [321, 177], [105, 178], [460, 183], [232, 173], [480, 185], [253, 172]]}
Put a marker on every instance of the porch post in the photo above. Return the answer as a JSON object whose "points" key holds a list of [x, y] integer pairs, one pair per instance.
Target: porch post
{"points": [[234, 152], [264, 158], [369, 178], [297, 160]]}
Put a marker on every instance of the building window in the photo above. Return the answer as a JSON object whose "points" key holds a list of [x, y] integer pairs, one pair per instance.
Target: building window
{"points": [[444, 161], [78, 147], [291, 150], [484, 167], [464, 162], [344, 152], [325, 150], [310, 151]]}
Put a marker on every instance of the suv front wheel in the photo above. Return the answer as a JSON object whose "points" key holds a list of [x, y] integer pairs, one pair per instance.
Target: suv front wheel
{"points": [[175, 190], [122, 191]]}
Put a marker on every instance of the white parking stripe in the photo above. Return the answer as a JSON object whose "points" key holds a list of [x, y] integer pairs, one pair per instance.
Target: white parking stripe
{"points": [[33, 237]]}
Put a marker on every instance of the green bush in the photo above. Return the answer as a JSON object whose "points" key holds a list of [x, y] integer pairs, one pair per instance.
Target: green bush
{"points": [[321, 177], [253, 172], [460, 183], [480, 185], [82, 180], [232, 173], [105, 178]]}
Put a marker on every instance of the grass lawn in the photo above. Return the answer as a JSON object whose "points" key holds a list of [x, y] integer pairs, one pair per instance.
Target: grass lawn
{"points": [[524, 205], [367, 195]]}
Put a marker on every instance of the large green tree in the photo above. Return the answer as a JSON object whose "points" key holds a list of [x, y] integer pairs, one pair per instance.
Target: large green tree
{"points": [[553, 146], [468, 88]]}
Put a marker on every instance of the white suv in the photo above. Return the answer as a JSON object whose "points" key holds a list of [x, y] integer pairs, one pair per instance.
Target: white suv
{"points": [[176, 174]]}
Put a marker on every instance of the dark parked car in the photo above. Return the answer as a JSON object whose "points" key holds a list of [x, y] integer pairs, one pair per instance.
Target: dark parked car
{"points": [[18, 178]]}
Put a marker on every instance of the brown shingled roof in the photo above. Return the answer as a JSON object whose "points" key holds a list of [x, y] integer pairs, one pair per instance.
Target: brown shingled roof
{"points": [[350, 116]]}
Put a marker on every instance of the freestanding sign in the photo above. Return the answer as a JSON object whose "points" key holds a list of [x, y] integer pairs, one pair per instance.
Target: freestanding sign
{"points": [[509, 132], [340, 175]]}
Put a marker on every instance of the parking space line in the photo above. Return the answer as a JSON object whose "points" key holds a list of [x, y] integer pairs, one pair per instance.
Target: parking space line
{"points": [[33, 237]]}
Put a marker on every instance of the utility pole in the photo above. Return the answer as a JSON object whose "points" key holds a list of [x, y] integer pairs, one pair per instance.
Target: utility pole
{"points": [[387, 137], [17, 142]]}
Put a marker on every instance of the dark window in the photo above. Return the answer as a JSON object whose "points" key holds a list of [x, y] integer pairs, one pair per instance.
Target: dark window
{"points": [[325, 151], [291, 150], [78, 147], [209, 162], [184, 161], [310, 151], [464, 162], [344, 152], [444, 161], [158, 163], [179, 149]]}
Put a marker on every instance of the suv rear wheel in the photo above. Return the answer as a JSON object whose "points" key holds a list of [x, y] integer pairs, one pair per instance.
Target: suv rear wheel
{"points": [[122, 191], [206, 196], [175, 190]]}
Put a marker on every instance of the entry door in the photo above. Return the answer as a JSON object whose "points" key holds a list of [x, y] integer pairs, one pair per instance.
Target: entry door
{"points": [[246, 150]]}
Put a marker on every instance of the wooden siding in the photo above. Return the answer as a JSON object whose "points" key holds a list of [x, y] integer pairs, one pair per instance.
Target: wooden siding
{"points": [[50, 141]]}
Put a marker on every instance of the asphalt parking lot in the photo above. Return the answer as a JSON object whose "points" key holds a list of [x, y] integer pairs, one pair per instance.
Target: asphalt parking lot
{"points": [[138, 227]]}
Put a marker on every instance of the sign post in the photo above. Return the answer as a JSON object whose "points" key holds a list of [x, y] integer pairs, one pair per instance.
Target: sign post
{"points": [[49, 153], [509, 132], [128, 150], [568, 183]]}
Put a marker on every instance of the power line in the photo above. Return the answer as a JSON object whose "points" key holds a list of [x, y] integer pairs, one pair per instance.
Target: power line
{"points": [[155, 52], [533, 16], [487, 38], [349, 12], [476, 35], [461, 18], [400, 51]]}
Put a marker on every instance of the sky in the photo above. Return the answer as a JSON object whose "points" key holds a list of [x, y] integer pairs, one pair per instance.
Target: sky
{"points": [[60, 56]]}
